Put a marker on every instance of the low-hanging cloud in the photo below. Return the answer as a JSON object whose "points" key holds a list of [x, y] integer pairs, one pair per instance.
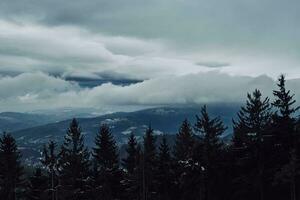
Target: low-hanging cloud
{"points": [[29, 91]]}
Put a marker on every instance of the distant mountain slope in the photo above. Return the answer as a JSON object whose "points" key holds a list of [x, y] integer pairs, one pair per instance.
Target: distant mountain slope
{"points": [[163, 120], [12, 121], [36, 131]]}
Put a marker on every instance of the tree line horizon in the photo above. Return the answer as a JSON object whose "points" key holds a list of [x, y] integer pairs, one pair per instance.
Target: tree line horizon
{"points": [[260, 162]]}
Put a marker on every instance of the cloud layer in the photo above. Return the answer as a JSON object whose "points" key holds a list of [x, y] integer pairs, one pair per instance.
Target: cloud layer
{"points": [[40, 91], [116, 53]]}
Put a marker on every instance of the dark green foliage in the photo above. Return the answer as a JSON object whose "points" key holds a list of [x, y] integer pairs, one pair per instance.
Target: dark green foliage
{"points": [[130, 161], [253, 120], [165, 173], [105, 150], [149, 165], [132, 166], [38, 186], [251, 135], [284, 117], [74, 164], [287, 139], [184, 142], [284, 101], [108, 176], [50, 162], [210, 130], [11, 170]]}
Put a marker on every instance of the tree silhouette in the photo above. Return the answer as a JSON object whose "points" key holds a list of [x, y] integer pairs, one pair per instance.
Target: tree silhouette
{"points": [[50, 162], [11, 170], [250, 133], [74, 164], [184, 142], [38, 185], [149, 165], [210, 130], [284, 127], [130, 161], [108, 175], [165, 173]]}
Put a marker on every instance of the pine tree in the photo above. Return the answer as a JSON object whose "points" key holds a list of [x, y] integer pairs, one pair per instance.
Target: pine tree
{"points": [[165, 173], [130, 161], [130, 164], [11, 170], [250, 132], [74, 164], [37, 189], [210, 131], [134, 166], [253, 120], [284, 127], [183, 155], [108, 173], [50, 162], [184, 142], [135, 186], [284, 119], [149, 165]]}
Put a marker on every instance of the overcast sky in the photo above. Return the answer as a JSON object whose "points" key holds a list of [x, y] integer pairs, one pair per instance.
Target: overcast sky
{"points": [[97, 53]]}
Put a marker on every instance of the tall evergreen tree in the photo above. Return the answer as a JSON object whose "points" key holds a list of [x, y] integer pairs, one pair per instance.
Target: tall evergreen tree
{"points": [[38, 185], [284, 118], [11, 170], [184, 142], [130, 161], [253, 120], [165, 173], [50, 162], [183, 154], [284, 127], [135, 188], [74, 164], [210, 130], [108, 175], [250, 132], [131, 165], [149, 165]]}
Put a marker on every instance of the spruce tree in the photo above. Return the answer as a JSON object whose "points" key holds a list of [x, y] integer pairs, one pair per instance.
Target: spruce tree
{"points": [[135, 181], [11, 170], [285, 128], [253, 119], [74, 164], [130, 164], [165, 173], [284, 118], [184, 142], [50, 162], [251, 130], [38, 186], [210, 130], [183, 155], [108, 174], [130, 161], [149, 165]]}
